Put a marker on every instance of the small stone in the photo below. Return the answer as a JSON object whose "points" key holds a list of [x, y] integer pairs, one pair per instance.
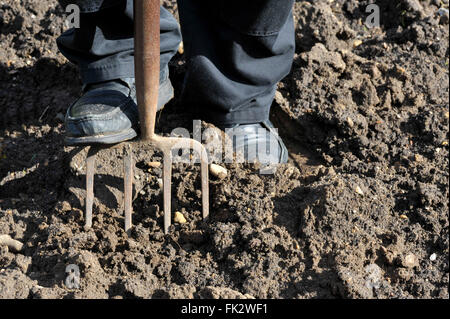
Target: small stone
{"points": [[403, 216], [409, 261], [359, 191], [418, 158], [179, 218], [357, 43], [400, 70], [160, 183], [433, 257], [350, 122], [154, 164], [218, 171], [12, 244], [181, 48]]}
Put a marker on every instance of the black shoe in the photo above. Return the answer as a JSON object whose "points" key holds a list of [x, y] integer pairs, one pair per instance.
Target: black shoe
{"points": [[258, 142], [107, 112]]}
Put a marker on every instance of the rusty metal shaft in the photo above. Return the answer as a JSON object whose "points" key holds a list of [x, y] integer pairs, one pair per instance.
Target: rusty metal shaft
{"points": [[147, 63]]}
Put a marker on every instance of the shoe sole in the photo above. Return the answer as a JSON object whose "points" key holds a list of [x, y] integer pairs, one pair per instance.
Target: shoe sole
{"points": [[101, 138], [115, 138]]}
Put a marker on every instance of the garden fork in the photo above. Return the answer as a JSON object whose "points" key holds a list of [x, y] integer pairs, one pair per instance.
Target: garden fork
{"points": [[147, 68]]}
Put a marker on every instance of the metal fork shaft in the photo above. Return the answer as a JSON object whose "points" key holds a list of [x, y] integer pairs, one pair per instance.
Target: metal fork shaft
{"points": [[146, 62], [167, 182], [90, 170], [205, 184], [128, 186]]}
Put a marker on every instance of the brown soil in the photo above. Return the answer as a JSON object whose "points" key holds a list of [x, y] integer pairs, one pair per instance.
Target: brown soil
{"points": [[360, 211]]}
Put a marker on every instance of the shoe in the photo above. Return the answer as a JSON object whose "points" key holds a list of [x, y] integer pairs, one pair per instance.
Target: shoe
{"points": [[107, 113], [258, 142]]}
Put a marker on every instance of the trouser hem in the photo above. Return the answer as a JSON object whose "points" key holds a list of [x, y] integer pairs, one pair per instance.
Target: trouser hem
{"points": [[238, 117], [114, 71]]}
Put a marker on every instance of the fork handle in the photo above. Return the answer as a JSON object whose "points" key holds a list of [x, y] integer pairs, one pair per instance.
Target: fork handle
{"points": [[147, 62]]}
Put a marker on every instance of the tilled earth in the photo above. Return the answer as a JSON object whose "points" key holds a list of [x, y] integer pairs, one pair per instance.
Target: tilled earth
{"points": [[360, 211]]}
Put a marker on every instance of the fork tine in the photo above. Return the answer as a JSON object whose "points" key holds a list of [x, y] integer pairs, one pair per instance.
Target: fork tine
{"points": [[128, 186], [205, 182], [203, 155], [167, 192], [90, 170]]}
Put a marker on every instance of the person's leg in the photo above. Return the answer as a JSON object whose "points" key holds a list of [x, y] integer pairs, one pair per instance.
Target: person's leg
{"points": [[103, 48], [237, 52]]}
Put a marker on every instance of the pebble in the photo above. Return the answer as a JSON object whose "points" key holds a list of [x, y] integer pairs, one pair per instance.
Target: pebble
{"points": [[359, 191], [181, 48], [218, 171], [418, 158], [410, 261], [11, 243], [350, 122], [160, 183], [400, 70], [433, 257], [154, 164], [179, 218], [357, 43]]}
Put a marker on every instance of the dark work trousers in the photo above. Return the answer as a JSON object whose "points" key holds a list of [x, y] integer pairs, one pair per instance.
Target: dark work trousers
{"points": [[236, 50]]}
